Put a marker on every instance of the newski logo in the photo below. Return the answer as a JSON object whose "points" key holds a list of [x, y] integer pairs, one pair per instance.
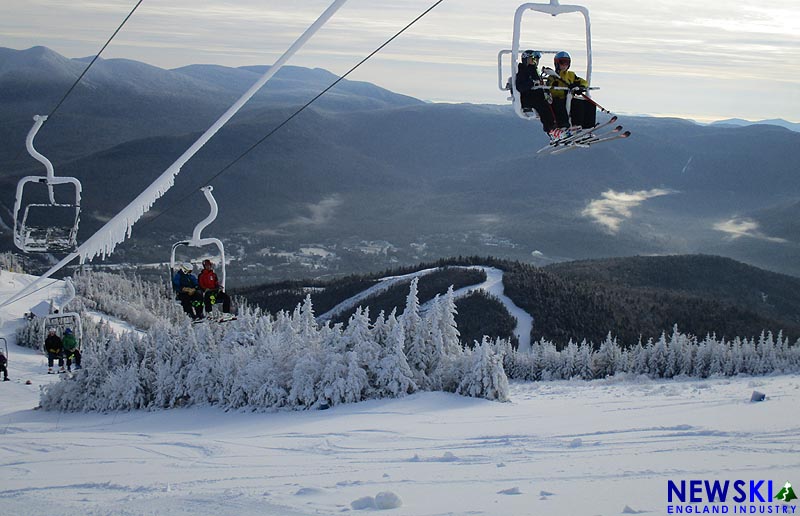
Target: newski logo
{"points": [[700, 491], [729, 497], [786, 494]]}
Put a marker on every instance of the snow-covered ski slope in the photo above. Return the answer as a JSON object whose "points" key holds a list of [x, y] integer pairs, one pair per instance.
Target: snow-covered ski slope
{"points": [[557, 448], [493, 285]]}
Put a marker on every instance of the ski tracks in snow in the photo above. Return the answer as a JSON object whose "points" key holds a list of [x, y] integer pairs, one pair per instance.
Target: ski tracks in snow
{"points": [[616, 440]]}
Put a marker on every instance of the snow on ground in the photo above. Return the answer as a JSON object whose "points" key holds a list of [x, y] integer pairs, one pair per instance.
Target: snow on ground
{"points": [[117, 325], [557, 448]]}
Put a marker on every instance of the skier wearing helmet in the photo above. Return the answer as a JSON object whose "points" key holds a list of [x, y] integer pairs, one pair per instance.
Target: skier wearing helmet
{"points": [[72, 350], [187, 291], [212, 290], [581, 113], [532, 96]]}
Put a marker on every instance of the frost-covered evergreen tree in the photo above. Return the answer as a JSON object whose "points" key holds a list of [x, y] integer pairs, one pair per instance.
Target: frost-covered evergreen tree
{"points": [[394, 376], [608, 358], [447, 324], [363, 341], [584, 360], [416, 348], [12, 263], [483, 375], [657, 359], [569, 367], [287, 360]]}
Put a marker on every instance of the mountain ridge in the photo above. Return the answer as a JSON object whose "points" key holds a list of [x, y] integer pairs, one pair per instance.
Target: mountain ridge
{"points": [[588, 299], [373, 169]]}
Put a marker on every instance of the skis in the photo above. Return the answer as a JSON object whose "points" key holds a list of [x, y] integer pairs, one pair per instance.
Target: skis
{"points": [[615, 134], [220, 319], [585, 138]]}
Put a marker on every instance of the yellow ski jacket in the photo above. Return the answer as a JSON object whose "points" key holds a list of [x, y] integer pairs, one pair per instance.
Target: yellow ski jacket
{"points": [[566, 79]]}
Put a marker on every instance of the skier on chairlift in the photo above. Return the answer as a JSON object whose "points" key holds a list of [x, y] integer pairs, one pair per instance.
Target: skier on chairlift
{"points": [[187, 290], [582, 114], [213, 292], [55, 350], [4, 366], [533, 91], [72, 351]]}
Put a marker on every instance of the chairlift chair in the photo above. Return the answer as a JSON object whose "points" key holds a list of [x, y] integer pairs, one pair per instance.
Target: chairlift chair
{"points": [[35, 236], [554, 9], [60, 321], [198, 241]]}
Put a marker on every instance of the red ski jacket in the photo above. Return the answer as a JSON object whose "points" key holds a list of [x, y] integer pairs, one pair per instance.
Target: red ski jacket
{"points": [[208, 280]]}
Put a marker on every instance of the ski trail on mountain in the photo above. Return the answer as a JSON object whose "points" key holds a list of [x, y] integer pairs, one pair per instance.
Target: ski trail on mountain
{"points": [[383, 285], [493, 285]]}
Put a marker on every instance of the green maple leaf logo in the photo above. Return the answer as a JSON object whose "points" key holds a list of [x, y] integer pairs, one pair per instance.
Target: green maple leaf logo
{"points": [[786, 494]]}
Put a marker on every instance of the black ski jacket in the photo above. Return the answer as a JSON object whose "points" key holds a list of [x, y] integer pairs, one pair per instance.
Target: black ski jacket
{"points": [[527, 77], [53, 344]]}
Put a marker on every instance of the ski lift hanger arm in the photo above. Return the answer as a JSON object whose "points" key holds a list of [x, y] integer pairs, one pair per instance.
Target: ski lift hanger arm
{"points": [[50, 178], [24, 238], [554, 8], [105, 240], [197, 239]]}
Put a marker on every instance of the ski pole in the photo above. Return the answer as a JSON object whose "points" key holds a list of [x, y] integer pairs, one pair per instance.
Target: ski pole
{"points": [[598, 106]]}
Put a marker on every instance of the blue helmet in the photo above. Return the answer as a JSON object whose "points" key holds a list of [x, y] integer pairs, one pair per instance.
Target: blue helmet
{"points": [[68, 331], [562, 58]]}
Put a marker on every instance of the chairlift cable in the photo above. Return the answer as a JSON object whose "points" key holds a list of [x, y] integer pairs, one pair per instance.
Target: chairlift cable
{"points": [[78, 80], [252, 147], [300, 110], [48, 285], [119, 227], [96, 57]]}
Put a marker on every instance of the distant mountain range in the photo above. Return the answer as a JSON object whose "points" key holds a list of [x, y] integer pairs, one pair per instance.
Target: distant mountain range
{"points": [[772, 121], [632, 298], [367, 179]]}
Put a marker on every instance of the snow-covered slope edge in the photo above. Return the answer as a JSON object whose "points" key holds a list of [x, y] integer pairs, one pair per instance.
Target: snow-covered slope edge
{"points": [[518, 458]]}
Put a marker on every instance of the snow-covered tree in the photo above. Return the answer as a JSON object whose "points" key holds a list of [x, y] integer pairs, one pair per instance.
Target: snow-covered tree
{"points": [[394, 376], [658, 360], [416, 349], [287, 360], [608, 359], [484, 376]]}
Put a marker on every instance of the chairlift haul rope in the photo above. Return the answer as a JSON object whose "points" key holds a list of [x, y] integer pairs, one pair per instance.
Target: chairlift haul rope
{"points": [[96, 57], [299, 110], [104, 241], [134, 217]]}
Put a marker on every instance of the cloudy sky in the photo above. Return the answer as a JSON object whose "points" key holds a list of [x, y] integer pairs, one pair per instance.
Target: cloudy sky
{"points": [[706, 60]]}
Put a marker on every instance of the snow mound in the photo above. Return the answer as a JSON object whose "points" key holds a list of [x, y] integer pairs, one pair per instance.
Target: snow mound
{"points": [[382, 501], [387, 500]]}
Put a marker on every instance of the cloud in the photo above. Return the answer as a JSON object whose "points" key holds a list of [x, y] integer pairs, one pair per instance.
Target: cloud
{"points": [[737, 228], [320, 213], [613, 208]]}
